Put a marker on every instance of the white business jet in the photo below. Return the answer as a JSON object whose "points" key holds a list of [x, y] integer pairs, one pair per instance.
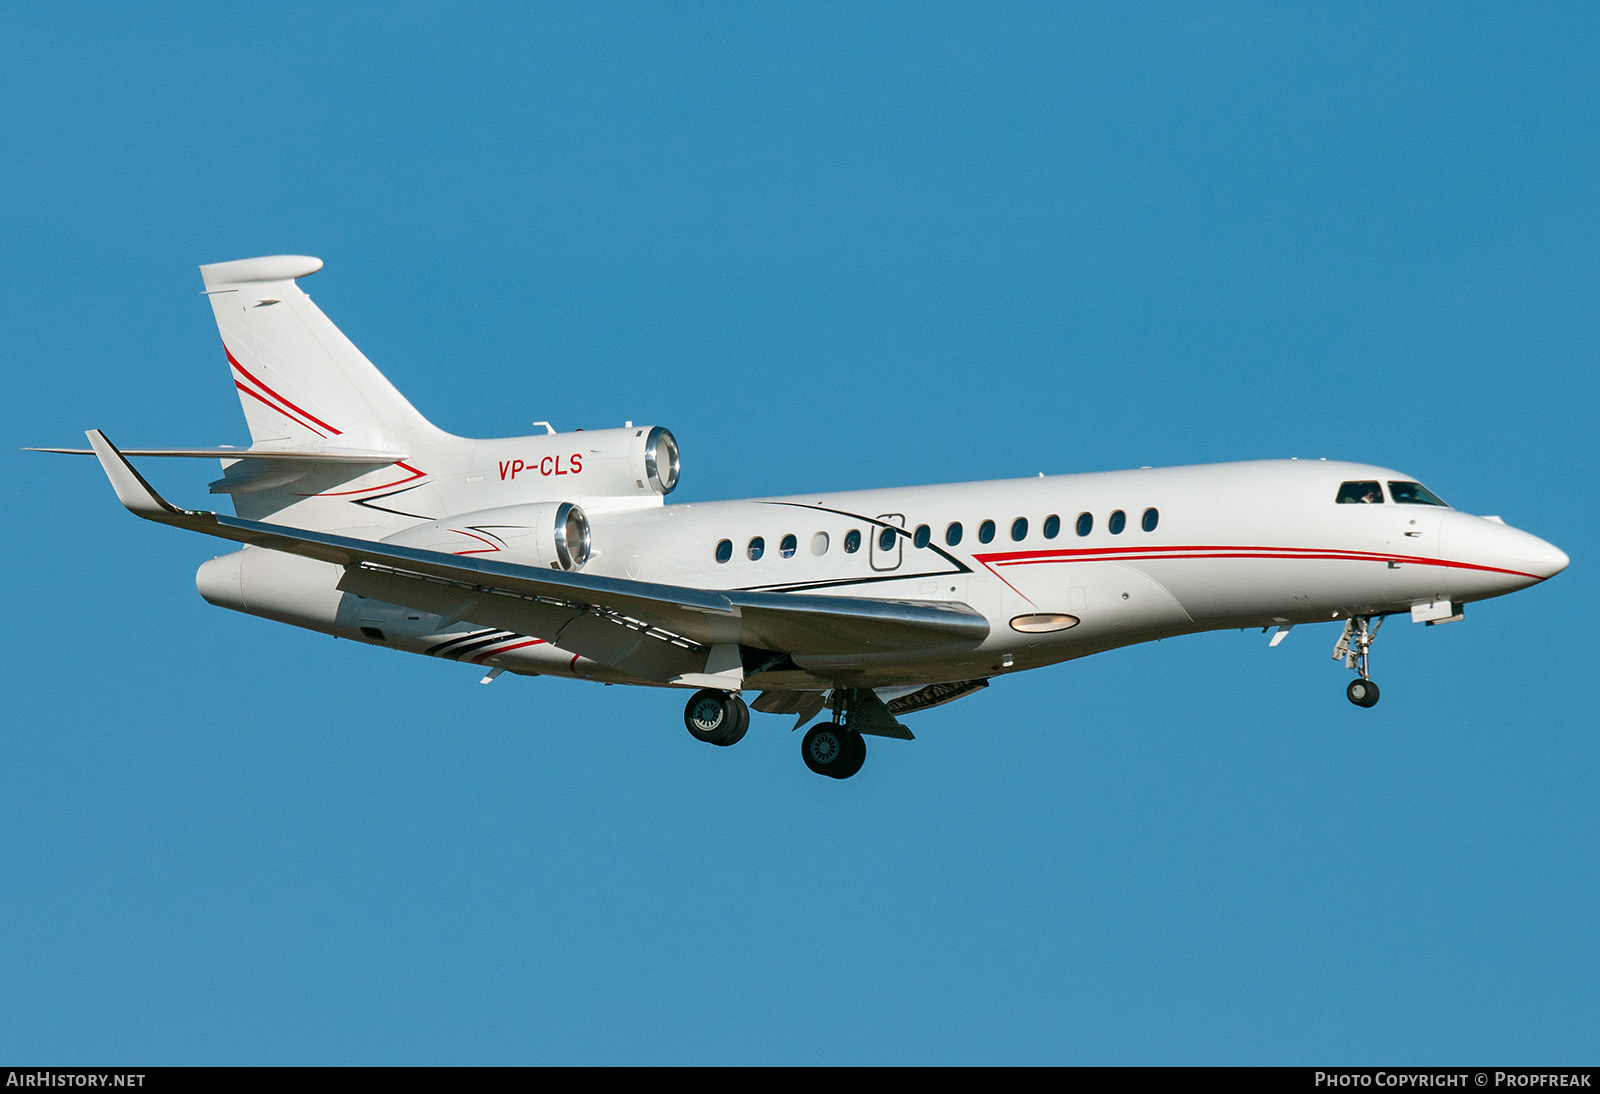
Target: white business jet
{"points": [[556, 554]]}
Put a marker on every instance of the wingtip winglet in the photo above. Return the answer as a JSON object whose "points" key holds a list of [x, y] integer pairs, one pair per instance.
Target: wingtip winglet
{"points": [[132, 490]]}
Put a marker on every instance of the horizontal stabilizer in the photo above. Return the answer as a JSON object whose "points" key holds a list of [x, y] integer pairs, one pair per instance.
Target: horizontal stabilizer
{"points": [[223, 452]]}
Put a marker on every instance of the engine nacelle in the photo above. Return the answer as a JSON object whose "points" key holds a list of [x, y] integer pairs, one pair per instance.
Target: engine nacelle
{"points": [[635, 461], [552, 534]]}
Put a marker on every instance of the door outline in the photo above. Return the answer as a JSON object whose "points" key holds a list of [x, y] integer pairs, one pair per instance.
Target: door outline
{"points": [[887, 560]]}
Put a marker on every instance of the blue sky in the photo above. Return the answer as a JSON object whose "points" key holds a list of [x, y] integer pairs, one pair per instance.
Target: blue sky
{"points": [[830, 246]]}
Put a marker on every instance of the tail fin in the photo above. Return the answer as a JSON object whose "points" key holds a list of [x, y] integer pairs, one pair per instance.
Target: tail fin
{"points": [[299, 378]]}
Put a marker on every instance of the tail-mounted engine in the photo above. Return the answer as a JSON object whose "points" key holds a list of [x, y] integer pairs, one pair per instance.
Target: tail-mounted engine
{"points": [[636, 461], [553, 533]]}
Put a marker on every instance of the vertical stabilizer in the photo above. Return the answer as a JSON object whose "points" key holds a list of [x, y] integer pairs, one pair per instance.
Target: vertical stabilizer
{"points": [[304, 385], [299, 378]]}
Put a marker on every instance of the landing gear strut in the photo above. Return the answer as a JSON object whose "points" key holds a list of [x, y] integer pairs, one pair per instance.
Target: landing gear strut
{"points": [[833, 748], [716, 717], [1353, 649]]}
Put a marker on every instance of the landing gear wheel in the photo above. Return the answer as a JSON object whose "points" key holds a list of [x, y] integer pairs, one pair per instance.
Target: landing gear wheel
{"points": [[1363, 693], [716, 717], [832, 750], [856, 756]]}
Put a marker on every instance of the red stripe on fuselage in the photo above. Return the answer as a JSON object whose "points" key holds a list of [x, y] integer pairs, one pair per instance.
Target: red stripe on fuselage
{"points": [[1144, 554], [478, 657], [488, 548], [415, 474]]}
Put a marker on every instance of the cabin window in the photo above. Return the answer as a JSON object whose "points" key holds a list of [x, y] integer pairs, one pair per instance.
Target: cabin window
{"points": [[725, 550], [757, 548], [1085, 523], [1052, 526], [819, 544], [852, 541], [952, 534], [921, 536], [886, 540], [1413, 493], [1150, 519], [1360, 493], [986, 532], [788, 546], [1118, 521], [1019, 529]]}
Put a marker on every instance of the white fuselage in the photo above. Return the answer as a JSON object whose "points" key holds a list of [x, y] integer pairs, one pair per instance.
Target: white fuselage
{"points": [[557, 554], [1199, 548]]}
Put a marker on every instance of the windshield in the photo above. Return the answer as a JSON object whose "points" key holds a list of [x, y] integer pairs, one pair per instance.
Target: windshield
{"points": [[1413, 493]]}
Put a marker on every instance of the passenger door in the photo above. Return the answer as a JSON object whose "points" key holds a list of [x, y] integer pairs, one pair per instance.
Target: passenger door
{"points": [[887, 558]]}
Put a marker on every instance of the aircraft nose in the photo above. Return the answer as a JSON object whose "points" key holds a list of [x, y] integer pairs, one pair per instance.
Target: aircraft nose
{"points": [[1546, 559], [1511, 550]]}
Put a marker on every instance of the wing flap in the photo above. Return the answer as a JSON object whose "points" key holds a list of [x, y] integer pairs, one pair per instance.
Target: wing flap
{"points": [[625, 645]]}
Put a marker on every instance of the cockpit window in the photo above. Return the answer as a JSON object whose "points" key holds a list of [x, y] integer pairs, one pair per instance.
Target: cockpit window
{"points": [[1413, 493], [1362, 493]]}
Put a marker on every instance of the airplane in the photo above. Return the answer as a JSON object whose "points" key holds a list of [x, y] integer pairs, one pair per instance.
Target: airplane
{"points": [[557, 554]]}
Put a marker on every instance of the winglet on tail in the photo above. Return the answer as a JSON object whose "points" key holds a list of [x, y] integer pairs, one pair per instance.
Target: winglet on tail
{"points": [[132, 489]]}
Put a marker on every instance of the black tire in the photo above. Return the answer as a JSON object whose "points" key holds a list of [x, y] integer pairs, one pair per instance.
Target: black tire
{"points": [[855, 755], [716, 717], [1363, 693], [832, 750], [823, 747], [737, 725]]}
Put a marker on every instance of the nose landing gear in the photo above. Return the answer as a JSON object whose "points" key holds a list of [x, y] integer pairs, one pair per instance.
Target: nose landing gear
{"points": [[1363, 693], [1353, 648]]}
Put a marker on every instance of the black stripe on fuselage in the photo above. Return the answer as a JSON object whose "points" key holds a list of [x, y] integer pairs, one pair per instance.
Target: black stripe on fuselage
{"points": [[440, 648], [959, 567], [473, 647], [367, 502], [841, 582]]}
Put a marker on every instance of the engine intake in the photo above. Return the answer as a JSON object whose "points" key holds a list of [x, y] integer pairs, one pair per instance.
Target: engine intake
{"points": [[571, 536], [635, 461], [661, 459]]}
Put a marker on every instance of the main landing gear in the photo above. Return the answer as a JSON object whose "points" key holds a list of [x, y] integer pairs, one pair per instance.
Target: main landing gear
{"points": [[1353, 649], [716, 717], [835, 749], [832, 750]]}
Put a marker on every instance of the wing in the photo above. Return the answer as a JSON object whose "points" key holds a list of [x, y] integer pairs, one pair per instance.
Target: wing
{"points": [[582, 612]]}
